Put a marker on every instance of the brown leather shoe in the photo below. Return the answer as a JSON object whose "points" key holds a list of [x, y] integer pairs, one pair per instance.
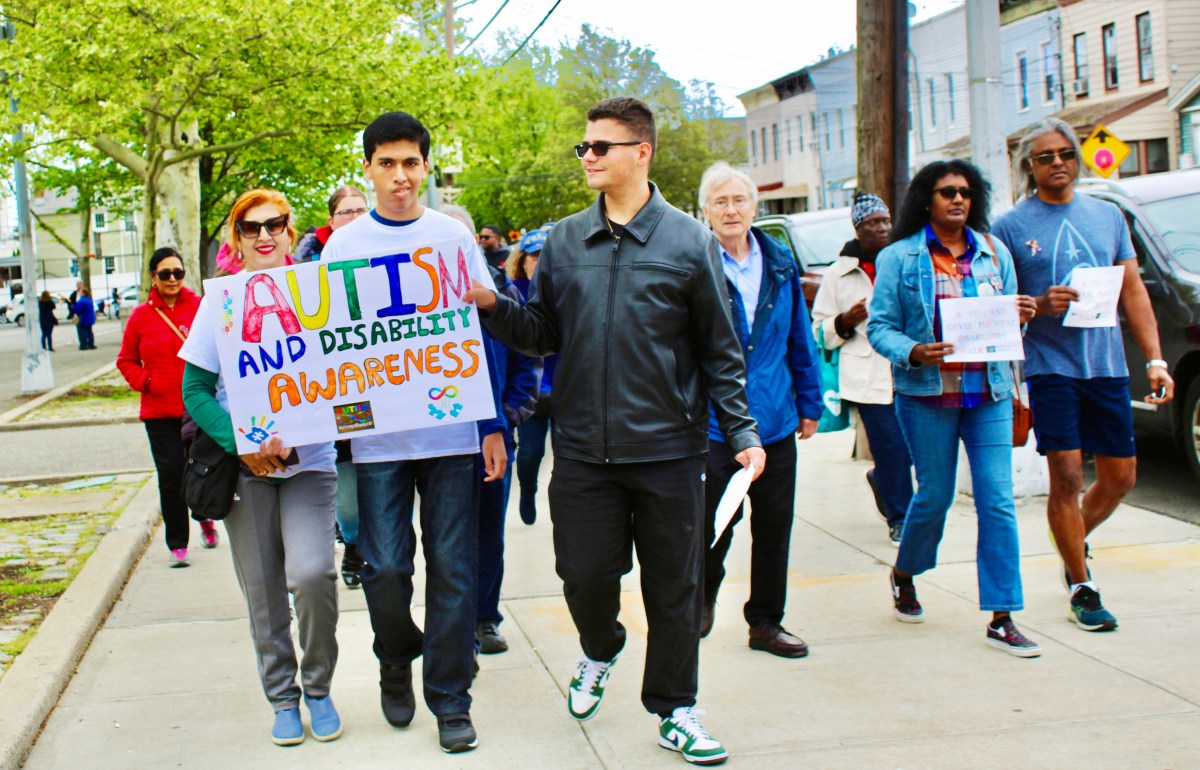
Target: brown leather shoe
{"points": [[706, 620], [773, 638]]}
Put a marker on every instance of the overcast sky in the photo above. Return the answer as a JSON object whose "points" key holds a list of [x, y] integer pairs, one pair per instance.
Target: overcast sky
{"points": [[738, 44]]}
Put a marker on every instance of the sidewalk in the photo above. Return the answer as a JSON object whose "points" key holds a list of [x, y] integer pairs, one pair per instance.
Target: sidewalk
{"points": [[170, 679]]}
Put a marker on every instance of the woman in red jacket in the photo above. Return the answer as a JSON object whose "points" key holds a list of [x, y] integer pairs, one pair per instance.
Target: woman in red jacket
{"points": [[150, 361]]}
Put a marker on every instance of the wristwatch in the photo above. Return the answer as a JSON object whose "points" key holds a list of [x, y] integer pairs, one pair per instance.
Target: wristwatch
{"points": [[1156, 362]]}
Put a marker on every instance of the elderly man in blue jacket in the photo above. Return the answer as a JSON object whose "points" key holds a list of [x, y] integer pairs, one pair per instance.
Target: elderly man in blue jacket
{"points": [[783, 387]]}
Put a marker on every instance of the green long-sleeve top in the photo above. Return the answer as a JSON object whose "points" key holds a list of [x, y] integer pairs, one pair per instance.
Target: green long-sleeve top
{"points": [[200, 399]]}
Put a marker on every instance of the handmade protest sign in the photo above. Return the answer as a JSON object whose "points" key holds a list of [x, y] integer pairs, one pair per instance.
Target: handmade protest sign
{"points": [[982, 328], [1099, 289], [320, 351]]}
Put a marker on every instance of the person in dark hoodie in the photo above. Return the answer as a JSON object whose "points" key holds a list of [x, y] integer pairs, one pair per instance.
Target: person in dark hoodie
{"points": [[347, 204], [865, 377]]}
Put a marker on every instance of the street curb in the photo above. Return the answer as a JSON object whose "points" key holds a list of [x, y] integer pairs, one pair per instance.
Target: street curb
{"points": [[30, 689], [78, 422], [29, 406], [55, 478]]}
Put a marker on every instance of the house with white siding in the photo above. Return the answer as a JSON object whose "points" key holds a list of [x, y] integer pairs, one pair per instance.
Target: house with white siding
{"points": [[1128, 65]]}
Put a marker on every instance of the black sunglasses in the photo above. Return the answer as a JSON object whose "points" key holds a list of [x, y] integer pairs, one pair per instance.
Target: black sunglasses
{"points": [[1047, 158], [950, 193], [166, 275], [599, 149], [275, 226]]}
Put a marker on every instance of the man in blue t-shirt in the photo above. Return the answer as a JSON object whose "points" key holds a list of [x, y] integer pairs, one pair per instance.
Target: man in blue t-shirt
{"points": [[1078, 382]]}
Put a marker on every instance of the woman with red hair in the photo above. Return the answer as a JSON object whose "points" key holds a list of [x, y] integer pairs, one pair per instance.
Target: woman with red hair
{"points": [[280, 527]]}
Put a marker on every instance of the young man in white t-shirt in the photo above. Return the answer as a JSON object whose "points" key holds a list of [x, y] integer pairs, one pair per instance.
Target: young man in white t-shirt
{"points": [[439, 463]]}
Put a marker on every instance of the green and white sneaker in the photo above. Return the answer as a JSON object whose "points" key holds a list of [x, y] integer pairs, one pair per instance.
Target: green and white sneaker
{"points": [[683, 732], [587, 687]]}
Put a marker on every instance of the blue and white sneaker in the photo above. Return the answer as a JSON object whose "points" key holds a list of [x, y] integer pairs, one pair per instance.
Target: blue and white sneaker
{"points": [[1088, 613], [324, 721], [288, 729]]}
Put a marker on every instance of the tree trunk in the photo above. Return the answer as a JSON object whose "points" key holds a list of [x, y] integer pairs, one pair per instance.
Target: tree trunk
{"points": [[85, 242], [178, 203], [875, 113]]}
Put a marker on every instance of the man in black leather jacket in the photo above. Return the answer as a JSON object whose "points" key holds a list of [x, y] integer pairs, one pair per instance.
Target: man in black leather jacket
{"points": [[631, 295]]}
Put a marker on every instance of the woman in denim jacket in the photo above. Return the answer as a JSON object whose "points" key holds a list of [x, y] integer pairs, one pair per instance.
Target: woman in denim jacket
{"points": [[938, 251]]}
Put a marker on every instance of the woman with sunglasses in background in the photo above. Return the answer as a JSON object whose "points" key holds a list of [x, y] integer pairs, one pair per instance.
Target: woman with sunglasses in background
{"points": [[939, 250], [280, 527], [149, 360]]}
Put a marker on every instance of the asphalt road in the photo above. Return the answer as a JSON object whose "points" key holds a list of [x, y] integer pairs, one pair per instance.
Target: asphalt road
{"points": [[68, 361]]}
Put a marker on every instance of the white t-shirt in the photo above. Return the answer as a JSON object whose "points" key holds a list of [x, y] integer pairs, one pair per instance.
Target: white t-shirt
{"points": [[373, 236], [201, 349]]}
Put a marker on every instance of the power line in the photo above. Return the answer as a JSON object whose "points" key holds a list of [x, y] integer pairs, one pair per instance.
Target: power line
{"points": [[471, 42], [531, 34]]}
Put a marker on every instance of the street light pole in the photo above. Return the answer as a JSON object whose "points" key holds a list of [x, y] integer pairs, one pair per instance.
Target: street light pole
{"points": [[36, 372]]}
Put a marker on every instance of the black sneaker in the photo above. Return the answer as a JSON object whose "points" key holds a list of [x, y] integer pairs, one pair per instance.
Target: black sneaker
{"points": [[456, 733], [396, 694], [1012, 641], [896, 533], [352, 564], [904, 599], [1088, 613], [491, 641], [528, 509]]}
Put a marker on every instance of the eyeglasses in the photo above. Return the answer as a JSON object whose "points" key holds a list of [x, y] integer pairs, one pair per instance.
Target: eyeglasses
{"points": [[1047, 158], [275, 226], [349, 213], [737, 202], [599, 149], [950, 193], [486, 236], [167, 275]]}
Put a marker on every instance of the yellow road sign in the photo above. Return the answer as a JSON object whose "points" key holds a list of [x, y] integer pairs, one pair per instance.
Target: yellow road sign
{"points": [[1104, 152]]}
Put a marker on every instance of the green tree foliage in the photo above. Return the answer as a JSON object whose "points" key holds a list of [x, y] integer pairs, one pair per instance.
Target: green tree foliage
{"points": [[520, 168], [198, 101]]}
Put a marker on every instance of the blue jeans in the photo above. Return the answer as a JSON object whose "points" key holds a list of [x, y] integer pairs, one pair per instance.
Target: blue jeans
{"points": [[531, 448], [986, 431], [449, 489], [493, 502], [893, 464], [347, 501]]}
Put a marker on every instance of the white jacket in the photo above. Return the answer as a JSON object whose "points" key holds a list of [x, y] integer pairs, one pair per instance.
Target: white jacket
{"points": [[863, 375]]}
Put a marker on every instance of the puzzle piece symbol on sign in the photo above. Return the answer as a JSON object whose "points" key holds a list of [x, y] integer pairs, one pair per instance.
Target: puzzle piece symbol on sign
{"points": [[455, 411], [435, 412]]}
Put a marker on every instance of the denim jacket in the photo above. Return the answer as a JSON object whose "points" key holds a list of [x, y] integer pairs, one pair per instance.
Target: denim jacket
{"points": [[901, 312]]}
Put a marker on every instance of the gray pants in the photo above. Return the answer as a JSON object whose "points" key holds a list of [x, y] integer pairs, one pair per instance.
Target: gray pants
{"points": [[281, 538]]}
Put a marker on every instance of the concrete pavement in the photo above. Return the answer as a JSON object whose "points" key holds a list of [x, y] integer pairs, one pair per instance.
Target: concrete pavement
{"points": [[170, 678]]}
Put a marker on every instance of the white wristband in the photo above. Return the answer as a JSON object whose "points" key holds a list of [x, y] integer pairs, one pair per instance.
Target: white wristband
{"points": [[1156, 362]]}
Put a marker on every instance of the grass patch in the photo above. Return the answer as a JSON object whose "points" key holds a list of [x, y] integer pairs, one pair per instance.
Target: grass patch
{"points": [[101, 391], [18, 645]]}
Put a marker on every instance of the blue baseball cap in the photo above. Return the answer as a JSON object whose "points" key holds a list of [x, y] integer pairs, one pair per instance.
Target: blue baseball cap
{"points": [[532, 241]]}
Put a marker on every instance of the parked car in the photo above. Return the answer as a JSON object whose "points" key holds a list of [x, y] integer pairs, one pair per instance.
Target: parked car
{"points": [[15, 313], [815, 239], [1162, 213]]}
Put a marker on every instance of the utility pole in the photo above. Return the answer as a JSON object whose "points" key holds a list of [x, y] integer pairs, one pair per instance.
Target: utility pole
{"points": [[37, 374], [882, 75], [989, 142]]}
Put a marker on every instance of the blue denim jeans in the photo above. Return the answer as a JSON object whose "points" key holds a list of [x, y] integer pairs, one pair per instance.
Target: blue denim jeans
{"points": [[933, 433], [531, 448], [893, 464], [449, 489], [347, 501], [493, 502]]}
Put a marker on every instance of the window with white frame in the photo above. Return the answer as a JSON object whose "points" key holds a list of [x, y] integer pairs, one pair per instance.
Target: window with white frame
{"points": [[753, 147], [1145, 49], [950, 111], [1049, 73], [1108, 37], [932, 103], [1081, 64], [99, 221]]}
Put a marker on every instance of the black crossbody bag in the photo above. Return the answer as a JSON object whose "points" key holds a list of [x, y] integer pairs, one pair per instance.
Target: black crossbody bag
{"points": [[210, 478]]}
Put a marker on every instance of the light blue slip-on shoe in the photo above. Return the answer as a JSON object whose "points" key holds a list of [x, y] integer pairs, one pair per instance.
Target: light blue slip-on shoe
{"points": [[326, 725], [288, 729]]}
